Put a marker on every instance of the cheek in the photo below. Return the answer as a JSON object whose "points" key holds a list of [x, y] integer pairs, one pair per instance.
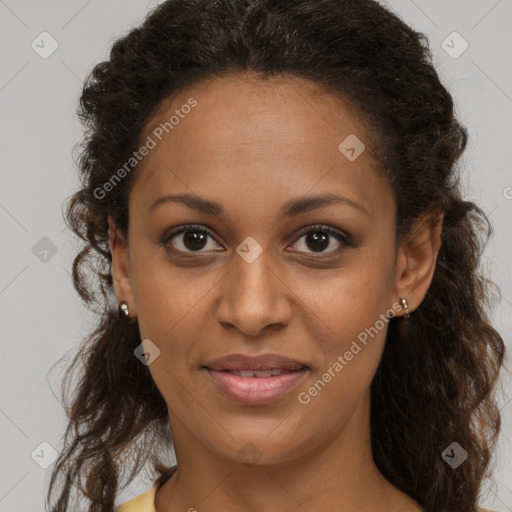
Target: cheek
{"points": [[352, 338], [349, 323], [349, 350], [167, 296], [342, 302], [170, 308]]}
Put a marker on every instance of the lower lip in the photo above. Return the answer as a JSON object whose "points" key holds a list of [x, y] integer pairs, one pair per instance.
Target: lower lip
{"points": [[256, 390]]}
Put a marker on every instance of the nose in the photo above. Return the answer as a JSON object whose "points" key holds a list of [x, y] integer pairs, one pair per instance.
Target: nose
{"points": [[254, 297]]}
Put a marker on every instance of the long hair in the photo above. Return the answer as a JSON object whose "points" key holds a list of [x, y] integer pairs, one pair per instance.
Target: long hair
{"points": [[436, 381]]}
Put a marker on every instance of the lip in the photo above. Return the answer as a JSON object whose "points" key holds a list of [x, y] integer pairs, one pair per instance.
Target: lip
{"points": [[253, 390], [256, 390], [245, 362]]}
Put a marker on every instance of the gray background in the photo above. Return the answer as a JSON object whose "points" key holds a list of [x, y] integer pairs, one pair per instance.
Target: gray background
{"points": [[41, 315]]}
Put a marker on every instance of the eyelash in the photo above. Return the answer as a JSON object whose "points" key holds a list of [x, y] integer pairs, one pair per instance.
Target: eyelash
{"points": [[345, 239]]}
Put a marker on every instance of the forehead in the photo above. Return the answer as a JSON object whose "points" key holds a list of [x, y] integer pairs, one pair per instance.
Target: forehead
{"points": [[246, 109], [275, 138]]}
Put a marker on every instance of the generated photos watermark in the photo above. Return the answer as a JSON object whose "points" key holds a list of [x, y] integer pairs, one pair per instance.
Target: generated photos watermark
{"points": [[305, 397]]}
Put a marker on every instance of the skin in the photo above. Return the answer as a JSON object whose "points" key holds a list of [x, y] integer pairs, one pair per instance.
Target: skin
{"points": [[251, 146]]}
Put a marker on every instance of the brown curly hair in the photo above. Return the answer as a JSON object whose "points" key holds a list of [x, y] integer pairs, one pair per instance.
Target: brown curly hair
{"points": [[436, 380]]}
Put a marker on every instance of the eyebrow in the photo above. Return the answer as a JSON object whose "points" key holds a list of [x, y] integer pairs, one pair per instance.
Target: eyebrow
{"points": [[289, 209]]}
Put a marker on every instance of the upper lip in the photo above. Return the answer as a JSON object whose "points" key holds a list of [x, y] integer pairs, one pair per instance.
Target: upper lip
{"points": [[256, 363]]}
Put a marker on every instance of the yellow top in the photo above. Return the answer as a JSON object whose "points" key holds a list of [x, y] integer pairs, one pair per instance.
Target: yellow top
{"points": [[146, 503], [143, 503]]}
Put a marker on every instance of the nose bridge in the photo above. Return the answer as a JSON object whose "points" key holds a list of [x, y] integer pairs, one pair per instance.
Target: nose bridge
{"points": [[252, 296], [253, 275]]}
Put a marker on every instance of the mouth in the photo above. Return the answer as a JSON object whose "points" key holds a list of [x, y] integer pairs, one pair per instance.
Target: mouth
{"points": [[255, 379], [256, 387]]}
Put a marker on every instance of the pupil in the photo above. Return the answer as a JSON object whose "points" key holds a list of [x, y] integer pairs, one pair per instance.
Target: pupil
{"points": [[319, 242], [194, 239]]}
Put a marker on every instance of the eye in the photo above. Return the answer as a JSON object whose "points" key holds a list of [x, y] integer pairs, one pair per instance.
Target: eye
{"points": [[192, 238], [319, 238]]}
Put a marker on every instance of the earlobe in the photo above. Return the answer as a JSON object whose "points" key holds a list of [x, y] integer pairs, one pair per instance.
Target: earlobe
{"points": [[120, 265], [416, 260]]}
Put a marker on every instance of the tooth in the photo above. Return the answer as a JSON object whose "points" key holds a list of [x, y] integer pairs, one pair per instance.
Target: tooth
{"points": [[244, 373], [263, 373]]}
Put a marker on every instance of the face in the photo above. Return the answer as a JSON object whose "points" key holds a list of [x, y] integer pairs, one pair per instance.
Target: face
{"points": [[266, 270]]}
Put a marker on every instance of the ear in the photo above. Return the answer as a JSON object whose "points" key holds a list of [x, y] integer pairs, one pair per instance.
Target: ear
{"points": [[120, 266], [416, 260]]}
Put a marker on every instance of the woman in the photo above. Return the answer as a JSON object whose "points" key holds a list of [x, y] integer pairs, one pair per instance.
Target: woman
{"points": [[271, 191]]}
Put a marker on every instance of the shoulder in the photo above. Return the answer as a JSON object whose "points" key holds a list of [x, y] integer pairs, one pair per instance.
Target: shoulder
{"points": [[143, 503], [485, 510]]}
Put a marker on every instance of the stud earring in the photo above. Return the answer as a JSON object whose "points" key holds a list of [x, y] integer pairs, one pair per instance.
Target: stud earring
{"points": [[124, 313], [405, 307]]}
